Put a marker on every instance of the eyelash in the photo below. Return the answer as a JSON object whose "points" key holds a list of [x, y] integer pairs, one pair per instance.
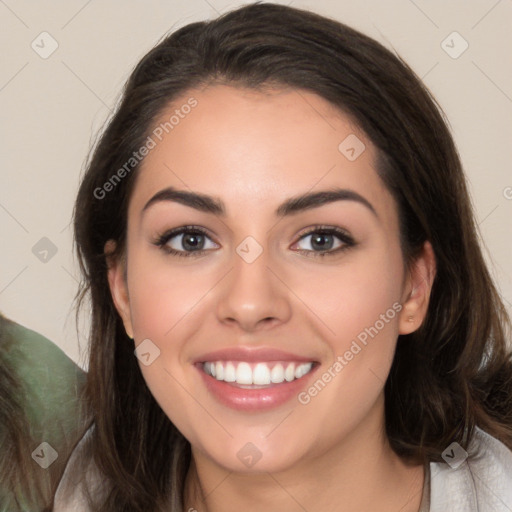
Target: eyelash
{"points": [[344, 237]]}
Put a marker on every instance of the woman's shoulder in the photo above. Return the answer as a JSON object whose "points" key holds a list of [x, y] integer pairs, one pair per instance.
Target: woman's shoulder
{"points": [[51, 380], [40, 388], [477, 480]]}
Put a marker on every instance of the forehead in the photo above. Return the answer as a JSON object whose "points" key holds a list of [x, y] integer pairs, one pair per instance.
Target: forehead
{"points": [[257, 148]]}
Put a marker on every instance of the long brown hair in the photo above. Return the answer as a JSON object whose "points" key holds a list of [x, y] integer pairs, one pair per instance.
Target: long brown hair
{"points": [[455, 372]]}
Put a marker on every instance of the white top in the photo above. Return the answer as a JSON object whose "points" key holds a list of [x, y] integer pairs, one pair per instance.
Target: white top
{"points": [[482, 483], [479, 481]]}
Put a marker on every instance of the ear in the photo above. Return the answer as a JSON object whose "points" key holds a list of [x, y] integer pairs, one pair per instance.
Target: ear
{"points": [[416, 294], [118, 286]]}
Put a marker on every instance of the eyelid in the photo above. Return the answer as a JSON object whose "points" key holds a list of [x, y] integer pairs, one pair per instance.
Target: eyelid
{"points": [[162, 240], [315, 228], [170, 233], [346, 239], [342, 234]]}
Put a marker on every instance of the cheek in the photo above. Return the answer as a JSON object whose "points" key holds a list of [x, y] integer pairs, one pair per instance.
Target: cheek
{"points": [[359, 305], [161, 295], [165, 304], [370, 300], [354, 294], [162, 303], [361, 309]]}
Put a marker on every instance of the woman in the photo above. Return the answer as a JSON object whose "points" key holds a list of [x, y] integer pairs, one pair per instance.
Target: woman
{"points": [[40, 417], [277, 217]]}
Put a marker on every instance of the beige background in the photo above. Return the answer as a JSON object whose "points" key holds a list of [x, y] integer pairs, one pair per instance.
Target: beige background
{"points": [[52, 108]]}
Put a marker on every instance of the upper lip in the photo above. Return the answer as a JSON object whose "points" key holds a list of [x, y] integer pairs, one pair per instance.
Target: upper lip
{"points": [[251, 355]]}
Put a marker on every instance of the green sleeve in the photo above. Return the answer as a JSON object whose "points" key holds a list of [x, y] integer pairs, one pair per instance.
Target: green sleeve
{"points": [[51, 385]]}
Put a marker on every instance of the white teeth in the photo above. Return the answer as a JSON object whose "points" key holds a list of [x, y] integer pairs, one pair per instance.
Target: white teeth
{"points": [[289, 373], [302, 369], [229, 373], [208, 368], [243, 373], [219, 371], [277, 374], [259, 374]]}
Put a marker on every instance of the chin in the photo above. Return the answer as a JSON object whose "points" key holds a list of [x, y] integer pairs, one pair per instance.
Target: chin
{"points": [[248, 455]]}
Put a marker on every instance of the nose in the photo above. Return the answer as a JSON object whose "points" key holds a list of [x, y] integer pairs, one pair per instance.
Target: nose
{"points": [[253, 296]]}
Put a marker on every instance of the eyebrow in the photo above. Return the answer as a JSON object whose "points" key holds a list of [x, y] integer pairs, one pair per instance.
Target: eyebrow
{"points": [[214, 205]]}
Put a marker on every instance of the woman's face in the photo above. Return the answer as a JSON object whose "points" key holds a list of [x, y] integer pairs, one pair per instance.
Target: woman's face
{"points": [[292, 297]]}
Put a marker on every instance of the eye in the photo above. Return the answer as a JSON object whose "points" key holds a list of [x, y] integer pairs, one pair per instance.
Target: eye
{"points": [[184, 241], [193, 241], [324, 241]]}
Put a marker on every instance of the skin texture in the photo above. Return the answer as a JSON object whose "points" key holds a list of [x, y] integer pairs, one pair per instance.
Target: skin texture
{"points": [[254, 150]]}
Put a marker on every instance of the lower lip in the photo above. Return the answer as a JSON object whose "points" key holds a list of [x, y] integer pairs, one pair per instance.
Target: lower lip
{"points": [[257, 399]]}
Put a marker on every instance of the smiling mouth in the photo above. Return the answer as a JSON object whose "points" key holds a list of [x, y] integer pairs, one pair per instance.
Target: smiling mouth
{"points": [[256, 375]]}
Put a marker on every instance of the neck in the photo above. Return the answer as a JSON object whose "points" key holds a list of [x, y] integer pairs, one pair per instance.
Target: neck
{"points": [[359, 473]]}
